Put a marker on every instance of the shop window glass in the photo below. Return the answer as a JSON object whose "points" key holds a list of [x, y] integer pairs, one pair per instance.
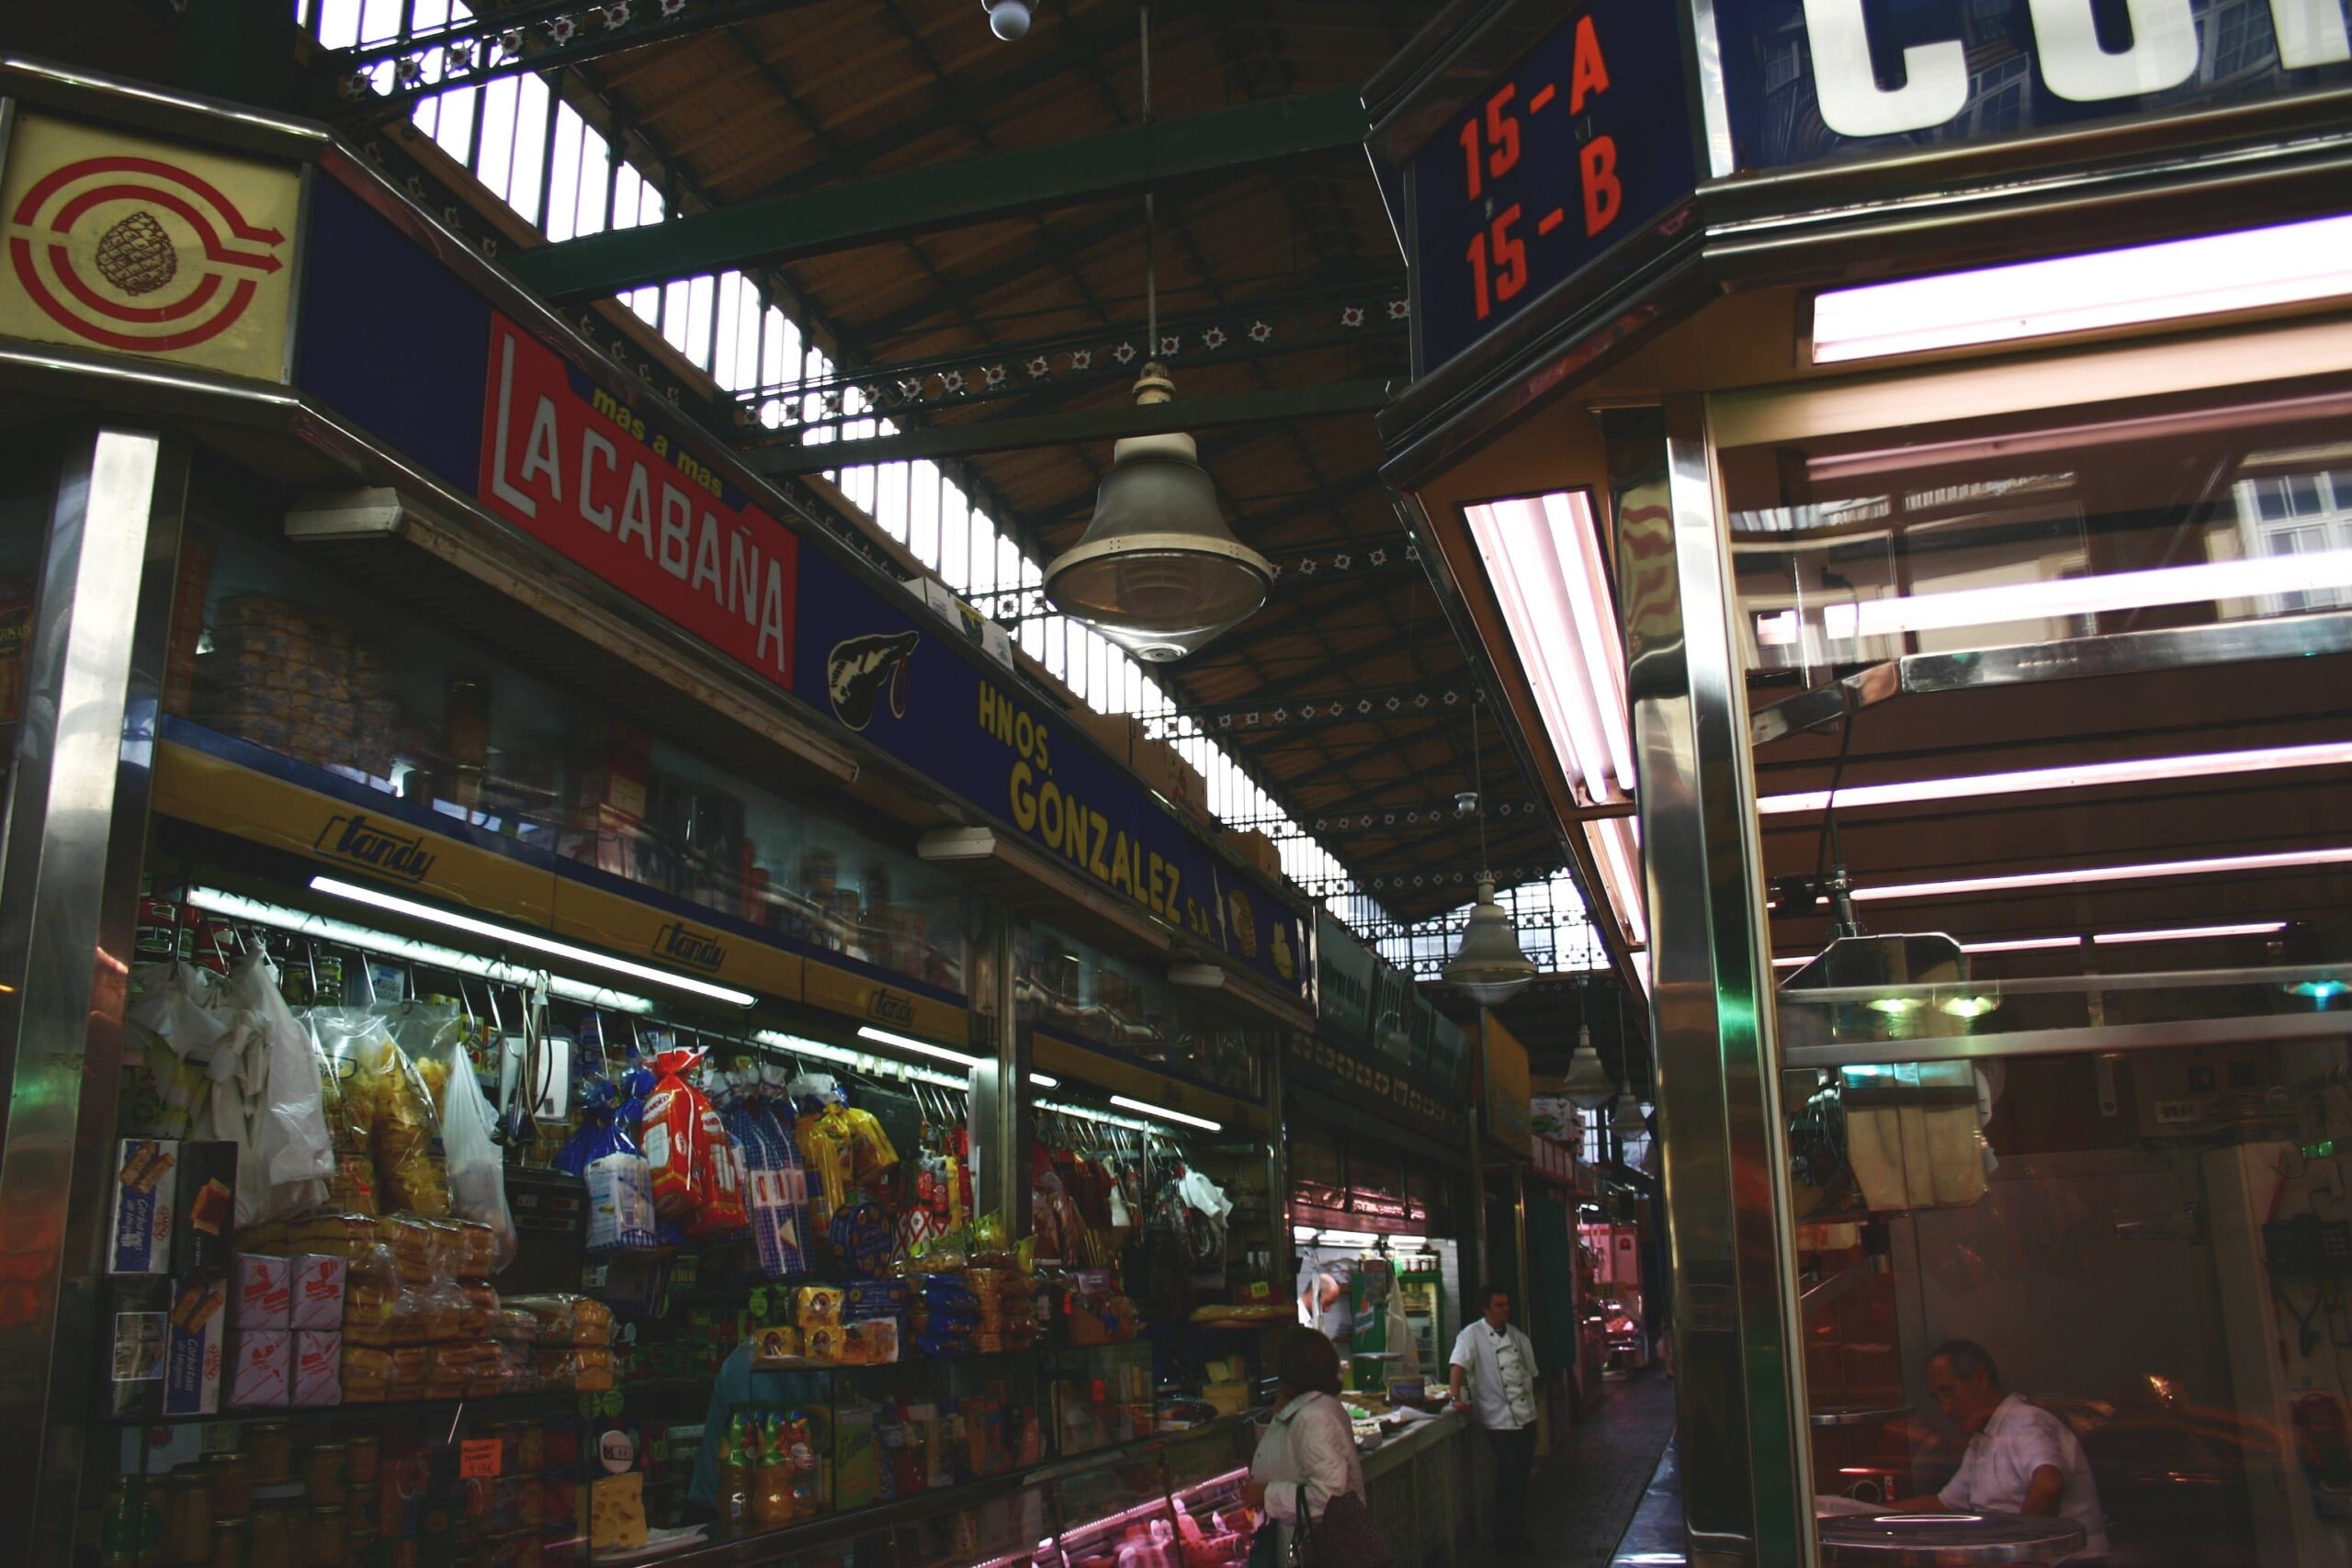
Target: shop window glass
{"points": [[1077, 992], [322, 673], [2005, 533], [2085, 1111]]}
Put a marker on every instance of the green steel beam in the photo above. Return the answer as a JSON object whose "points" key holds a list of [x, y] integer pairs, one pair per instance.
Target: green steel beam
{"points": [[1270, 407], [942, 195]]}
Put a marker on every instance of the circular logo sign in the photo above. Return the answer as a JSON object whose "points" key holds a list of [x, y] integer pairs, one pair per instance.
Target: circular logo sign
{"points": [[136, 253]]}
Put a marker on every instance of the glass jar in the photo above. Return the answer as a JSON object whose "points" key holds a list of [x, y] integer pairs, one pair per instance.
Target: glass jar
{"points": [[232, 1542], [188, 1512], [323, 1469], [329, 1540], [279, 1541], [360, 1508], [359, 1461], [365, 1551], [272, 1444], [231, 1475]]}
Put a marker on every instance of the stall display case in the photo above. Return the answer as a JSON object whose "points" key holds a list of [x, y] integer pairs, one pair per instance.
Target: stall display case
{"points": [[1075, 992]]}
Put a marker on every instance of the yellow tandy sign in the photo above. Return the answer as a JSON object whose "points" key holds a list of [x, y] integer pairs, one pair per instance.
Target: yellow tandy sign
{"points": [[882, 1006], [125, 244], [198, 787], [673, 941]]}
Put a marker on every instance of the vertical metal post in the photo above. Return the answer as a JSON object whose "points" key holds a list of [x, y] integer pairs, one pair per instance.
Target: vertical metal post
{"points": [[76, 819], [1003, 1111], [1738, 1361]]}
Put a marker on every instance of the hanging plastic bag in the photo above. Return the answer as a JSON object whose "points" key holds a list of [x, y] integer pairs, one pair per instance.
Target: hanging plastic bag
{"points": [[288, 1115], [173, 1028], [477, 1174], [412, 1159], [620, 1189], [675, 1136]]}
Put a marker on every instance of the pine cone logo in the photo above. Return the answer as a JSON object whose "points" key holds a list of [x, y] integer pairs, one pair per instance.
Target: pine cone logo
{"points": [[135, 255]]}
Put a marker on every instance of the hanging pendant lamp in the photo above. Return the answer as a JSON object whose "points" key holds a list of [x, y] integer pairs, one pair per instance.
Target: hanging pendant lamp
{"points": [[1158, 572], [1588, 1084], [1627, 1119], [1489, 965]]}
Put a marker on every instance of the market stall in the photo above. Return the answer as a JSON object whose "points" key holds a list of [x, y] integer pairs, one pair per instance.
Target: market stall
{"points": [[1889, 463], [583, 1060]]}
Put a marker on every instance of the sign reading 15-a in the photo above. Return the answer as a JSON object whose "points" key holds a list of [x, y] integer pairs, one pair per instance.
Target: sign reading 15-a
{"points": [[1581, 144], [1490, 149]]}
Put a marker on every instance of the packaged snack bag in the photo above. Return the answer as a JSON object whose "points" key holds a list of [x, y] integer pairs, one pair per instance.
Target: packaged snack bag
{"points": [[674, 1138]]}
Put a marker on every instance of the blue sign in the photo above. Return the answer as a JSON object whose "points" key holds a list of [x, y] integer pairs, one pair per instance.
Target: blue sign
{"points": [[1816, 80], [886, 668], [1580, 146]]}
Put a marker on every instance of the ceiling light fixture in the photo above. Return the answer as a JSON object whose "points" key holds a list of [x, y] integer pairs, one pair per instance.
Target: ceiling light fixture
{"points": [[1145, 1108], [920, 1047], [2252, 577], [2082, 775], [2284, 861], [1488, 964], [1543, 559], [1009, 19], [2023, 945], [514, 936], [1588, 1086], [2191, 933], [383, 945], [1158, 572], [2287, 263]]}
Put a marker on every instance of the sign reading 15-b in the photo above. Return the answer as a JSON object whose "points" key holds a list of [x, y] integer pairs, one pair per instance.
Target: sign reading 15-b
{"points": [[1580, 145]]}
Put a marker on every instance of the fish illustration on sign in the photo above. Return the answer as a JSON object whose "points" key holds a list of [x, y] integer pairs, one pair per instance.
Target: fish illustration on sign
{"points": [[861, 668]]}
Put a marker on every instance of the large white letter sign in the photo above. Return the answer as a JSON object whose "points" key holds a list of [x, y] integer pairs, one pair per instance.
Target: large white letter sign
{"points": [[2311, 32], [1935, 76], [2163, 53]]}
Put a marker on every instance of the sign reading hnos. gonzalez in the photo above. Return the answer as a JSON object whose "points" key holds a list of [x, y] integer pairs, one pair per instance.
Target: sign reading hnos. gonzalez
{"points": [[587, 474], [882, 666]]}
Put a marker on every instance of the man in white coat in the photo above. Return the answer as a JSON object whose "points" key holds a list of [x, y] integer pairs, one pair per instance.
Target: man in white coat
{"points": [[1497, 1362]]}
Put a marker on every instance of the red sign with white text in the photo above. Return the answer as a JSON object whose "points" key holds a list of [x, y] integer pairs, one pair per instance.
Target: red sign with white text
{"points": [[589, 475]]}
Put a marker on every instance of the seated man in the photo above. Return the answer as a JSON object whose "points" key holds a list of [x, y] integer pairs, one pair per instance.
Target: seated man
{"points": [[2020, 1457]]}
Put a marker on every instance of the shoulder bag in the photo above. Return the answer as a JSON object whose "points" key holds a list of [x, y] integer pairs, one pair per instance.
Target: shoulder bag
{"points": [[1344, 1537]]}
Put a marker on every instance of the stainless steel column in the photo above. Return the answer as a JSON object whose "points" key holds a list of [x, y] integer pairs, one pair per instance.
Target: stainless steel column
{"points": [[1737, 1353], [1004, 1104], [76, 822]]}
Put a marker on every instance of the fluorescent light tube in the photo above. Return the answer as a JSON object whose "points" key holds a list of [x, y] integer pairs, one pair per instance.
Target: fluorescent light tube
{"points": [[1045, 1080], [880, 1067], [920, 1047], [514, 936], [1145, 1107], [1346, 1238], [2190, 933], [2284, 861], [341, 933], [2083, 776], [2023, 945], [2212, 581], [1088, 1113], [2284, 265]]}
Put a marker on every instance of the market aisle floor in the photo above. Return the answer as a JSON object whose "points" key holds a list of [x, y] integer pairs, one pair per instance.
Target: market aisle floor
{"points": [[1586, 1491]]}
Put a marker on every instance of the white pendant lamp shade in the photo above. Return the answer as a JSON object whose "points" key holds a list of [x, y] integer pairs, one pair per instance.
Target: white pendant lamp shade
{"points": [[1489, 965], [1627, 1121], [1158, 572], [1588, 1083]]}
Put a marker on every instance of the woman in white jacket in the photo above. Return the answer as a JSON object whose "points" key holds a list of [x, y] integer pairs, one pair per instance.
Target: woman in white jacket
{"points": [[1308, 1453]]}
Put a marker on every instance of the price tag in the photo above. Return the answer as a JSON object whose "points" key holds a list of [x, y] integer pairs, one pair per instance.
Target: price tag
{"points": [[478, 1458]]}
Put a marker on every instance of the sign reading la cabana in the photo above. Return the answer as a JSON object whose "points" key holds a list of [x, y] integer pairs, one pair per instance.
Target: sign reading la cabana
{"points": [[582, 470], [879, 663]]}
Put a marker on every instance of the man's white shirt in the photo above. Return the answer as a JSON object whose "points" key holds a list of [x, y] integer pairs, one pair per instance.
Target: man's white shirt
{"points": [[1500, 1371]]}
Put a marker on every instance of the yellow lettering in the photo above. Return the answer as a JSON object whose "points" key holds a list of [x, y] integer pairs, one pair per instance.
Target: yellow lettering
{"points": [[1024, 797], [1094, 851], [1122, 874], [1024, 735], [1053, 814]]}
